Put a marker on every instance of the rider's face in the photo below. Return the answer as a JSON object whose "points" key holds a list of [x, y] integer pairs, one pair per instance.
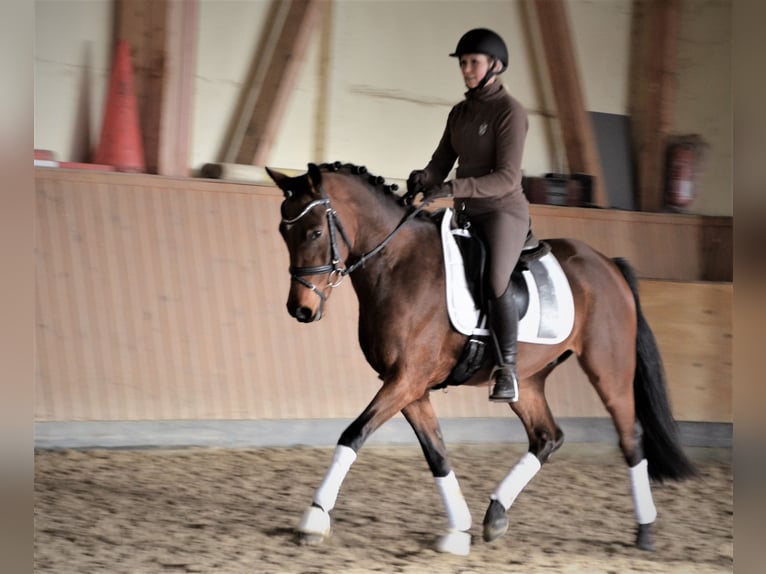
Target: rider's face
{"points": [[474, 67]]}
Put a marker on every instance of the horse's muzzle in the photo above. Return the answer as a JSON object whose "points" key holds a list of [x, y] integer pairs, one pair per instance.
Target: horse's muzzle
{"points": [[305, 314]]}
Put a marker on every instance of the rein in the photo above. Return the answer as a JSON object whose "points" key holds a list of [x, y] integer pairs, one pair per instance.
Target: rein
{"points": [[411, 213], [334, 224]]}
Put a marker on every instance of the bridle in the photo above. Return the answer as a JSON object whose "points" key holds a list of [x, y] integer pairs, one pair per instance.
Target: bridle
{"points": [[337, 268]]}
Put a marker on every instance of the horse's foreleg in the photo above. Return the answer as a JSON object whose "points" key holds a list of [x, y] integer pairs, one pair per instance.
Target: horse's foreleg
{"points": [[315, 524], [421, 416], [544, 438]]}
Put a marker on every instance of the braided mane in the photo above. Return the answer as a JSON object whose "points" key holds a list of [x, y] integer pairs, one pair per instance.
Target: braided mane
{"points": [[377, 182]]}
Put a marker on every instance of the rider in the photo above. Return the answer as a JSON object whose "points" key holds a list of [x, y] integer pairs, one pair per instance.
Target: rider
{"points": [[486, 132]]}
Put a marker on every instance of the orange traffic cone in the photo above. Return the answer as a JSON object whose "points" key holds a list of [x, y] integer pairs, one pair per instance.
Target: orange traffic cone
{"points": [[120, 144]]}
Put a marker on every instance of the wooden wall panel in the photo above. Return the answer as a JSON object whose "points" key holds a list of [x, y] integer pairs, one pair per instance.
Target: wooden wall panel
{"points": [[161, 298], [658, 245], [156, 301], [693, 326]]}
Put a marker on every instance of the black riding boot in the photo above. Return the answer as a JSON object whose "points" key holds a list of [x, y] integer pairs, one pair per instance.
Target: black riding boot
{"points": [[505, 328]]}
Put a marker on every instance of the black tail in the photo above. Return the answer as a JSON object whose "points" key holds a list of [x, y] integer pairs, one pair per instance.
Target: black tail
{"points": [[661, 441]]}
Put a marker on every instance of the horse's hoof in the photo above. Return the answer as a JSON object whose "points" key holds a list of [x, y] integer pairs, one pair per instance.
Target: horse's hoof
{"points": [[644, 538], [455, 542], [311, 539], [495, 521], [314, 526]]}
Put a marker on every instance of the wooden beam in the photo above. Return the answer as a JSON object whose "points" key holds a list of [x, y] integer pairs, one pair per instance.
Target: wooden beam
{"points": [[659, 48], [577, 130], [163, 37], [272, 79], [178, 96]]}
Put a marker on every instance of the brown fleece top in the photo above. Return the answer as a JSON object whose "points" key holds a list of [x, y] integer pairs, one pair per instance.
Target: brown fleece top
{"points": [[486, 132]]}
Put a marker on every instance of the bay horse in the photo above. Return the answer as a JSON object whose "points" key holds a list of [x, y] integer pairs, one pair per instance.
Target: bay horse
{"points": [[338, 220]]}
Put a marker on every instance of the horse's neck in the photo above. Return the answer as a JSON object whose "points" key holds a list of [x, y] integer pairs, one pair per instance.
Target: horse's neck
{"points": [[368, 216]]}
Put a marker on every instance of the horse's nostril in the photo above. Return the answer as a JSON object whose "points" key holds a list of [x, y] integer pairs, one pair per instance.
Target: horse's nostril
{"points": [[303, 314]]}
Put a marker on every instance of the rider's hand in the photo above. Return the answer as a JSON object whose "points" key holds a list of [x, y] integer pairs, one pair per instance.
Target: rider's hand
{"points": [[416, 183]]}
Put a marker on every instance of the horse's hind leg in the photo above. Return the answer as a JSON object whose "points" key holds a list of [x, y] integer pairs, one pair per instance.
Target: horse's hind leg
{"points": [[611, 372], [420, 414], [544, 436]]}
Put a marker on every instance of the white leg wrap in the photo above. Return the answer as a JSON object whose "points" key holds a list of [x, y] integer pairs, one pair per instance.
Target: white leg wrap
{"points": [[520, 475], [327, 493], [458, 515], [315, 521], [455, 542], [646, 512]]}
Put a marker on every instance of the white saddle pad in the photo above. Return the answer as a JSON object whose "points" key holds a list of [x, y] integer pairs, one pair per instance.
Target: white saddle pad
{"points": [[550, 314]]}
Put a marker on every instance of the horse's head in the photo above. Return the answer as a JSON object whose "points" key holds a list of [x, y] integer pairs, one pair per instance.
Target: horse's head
{"points": [[309, 228]]}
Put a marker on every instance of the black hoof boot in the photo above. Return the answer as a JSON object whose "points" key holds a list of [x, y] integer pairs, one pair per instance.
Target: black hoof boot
{"points": [[506, 388], [495, 521], [644, 538]]}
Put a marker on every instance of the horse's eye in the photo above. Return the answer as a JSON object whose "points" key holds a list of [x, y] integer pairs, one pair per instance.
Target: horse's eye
{"points": [[316, 234]]}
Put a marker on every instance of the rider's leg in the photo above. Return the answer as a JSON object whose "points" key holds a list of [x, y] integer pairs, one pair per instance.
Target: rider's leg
{"points": [[505, 327], [504, 234]]}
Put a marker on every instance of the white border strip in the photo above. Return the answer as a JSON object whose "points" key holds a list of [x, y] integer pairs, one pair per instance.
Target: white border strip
{"points": [[325, 432]]}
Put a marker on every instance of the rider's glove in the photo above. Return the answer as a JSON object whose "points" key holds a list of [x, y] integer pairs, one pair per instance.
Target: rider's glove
{"points": [[416, 183]]}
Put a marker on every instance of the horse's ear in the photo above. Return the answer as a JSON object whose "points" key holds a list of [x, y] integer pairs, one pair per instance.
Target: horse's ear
{"points": [[280, 179], [277, 176], [315, 175]]}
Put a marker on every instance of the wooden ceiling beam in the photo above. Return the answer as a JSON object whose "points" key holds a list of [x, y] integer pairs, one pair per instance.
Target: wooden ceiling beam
{"points": [[576, 127], [658, 46], [275, 69], [163, 38]]}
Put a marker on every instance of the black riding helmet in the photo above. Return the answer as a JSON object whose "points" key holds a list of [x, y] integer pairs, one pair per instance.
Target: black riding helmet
{"points": [[483, 41]]}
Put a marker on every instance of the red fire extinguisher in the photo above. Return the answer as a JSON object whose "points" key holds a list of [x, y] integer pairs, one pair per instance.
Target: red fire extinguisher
{"points": [[684, 159]]}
